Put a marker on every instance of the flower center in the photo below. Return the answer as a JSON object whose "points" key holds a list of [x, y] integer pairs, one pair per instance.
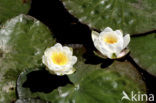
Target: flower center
{"points": [[59, 58], [110, 39]]}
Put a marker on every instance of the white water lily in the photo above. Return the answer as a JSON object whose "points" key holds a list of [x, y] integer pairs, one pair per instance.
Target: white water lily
{"points": [[111, 43], [59, 59]]}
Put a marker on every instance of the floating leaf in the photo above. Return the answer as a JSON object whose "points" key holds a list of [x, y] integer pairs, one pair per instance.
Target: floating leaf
{"points": [[30, 100], [30, 82], [12, 8], [93, 85], [23, 40], [143, 51], [132, 16]]}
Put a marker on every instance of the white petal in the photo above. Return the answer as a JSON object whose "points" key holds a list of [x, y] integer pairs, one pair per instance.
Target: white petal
{"points": [[126, 40], [58, 73], [71, 71], [123, 53], [56, 68], [48, 62], [67, 50], [112, 48], [99, 45], [47, 51], [104, 50], [95, 38], [109, 54], [119, 32], [118, 47], [120, 55], [44, 60], [65, 71], [94, 35], [108, 49], [108, 29], [58, 46], [74, 60], [120, 43]]}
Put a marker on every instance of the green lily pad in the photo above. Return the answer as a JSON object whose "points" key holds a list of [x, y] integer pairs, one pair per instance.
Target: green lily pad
{"points": [[143, 51], [30, 100], [95, 85], [123, 68], [7, 91], [12, 8], [23, 40], [23, 92], [132, 16], [82, 71]]}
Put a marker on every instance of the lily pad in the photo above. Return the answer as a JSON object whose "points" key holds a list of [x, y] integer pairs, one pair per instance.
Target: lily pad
{"points": [[143, 51], [23, 40], [12, 8], [95, 85], [30, 100], [132, 16]]}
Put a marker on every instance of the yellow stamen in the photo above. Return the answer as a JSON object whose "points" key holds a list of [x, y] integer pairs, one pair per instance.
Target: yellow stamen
{"points": [[110, 39], [59, 58]]}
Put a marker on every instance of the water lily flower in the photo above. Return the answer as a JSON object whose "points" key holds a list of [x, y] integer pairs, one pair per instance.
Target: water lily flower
{"points": [[59, 59], [111, 44]]}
